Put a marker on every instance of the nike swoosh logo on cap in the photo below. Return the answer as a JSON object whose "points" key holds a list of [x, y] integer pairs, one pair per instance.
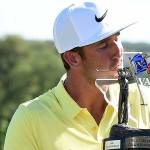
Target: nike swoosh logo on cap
{"points": [[101, 18]]}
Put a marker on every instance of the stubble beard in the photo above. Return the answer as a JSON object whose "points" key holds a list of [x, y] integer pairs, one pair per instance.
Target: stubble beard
{"points": [[89, 73]]}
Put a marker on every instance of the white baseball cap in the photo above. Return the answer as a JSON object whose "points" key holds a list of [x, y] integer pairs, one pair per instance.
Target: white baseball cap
{"points": [[82, 24]]}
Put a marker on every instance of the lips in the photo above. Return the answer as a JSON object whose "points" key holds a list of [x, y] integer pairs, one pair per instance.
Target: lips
{"points": [[117, 67], [117, 64]]}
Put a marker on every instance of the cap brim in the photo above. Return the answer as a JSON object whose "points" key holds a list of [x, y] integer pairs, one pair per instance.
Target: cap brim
{"points": [[107, 34]]}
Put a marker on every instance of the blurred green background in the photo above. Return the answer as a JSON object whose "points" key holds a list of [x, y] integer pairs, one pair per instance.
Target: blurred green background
{"points": [[28, 69]]}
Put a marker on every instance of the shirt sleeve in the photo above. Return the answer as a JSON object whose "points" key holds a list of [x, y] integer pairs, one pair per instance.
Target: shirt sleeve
{"points": [[20, 134]]}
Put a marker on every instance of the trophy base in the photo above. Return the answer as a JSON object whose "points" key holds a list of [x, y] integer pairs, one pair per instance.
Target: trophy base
{"points": [[123, 137]]}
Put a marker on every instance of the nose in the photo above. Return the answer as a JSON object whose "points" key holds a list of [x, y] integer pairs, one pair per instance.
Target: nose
{"points": [[117, 48]]}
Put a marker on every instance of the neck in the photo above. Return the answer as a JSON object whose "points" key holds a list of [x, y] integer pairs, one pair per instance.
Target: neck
{"points": [[86, 95]]}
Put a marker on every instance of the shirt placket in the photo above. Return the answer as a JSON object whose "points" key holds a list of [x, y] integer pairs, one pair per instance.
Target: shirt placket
{"points": [[89, 123], [109, 118]]}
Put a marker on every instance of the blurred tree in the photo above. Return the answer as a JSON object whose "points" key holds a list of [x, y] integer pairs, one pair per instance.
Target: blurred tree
{"points": [[27, 69], [136, 47]]}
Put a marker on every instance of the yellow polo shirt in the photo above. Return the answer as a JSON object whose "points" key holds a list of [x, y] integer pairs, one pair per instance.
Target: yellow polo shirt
{"points": [[54, 121]]}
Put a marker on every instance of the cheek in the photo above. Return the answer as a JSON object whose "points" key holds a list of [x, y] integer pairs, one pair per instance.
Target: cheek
{"points": [[103, 59], [99, 63], [97, 60]]}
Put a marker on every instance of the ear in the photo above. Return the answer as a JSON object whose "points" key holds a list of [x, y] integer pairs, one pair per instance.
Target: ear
{"points": [[72, 58]]}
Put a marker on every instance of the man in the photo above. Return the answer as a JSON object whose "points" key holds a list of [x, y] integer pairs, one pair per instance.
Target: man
{"points": [[76, 115]]}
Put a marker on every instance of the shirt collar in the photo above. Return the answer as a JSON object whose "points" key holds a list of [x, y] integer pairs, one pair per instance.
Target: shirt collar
{"points": [[69, 106]]}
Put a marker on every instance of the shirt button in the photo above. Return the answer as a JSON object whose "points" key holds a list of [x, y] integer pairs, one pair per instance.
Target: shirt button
{"points": [[94, 128]]}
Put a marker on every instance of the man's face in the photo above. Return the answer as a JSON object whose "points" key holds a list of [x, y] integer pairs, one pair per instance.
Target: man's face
{"points": [[103, 55]]}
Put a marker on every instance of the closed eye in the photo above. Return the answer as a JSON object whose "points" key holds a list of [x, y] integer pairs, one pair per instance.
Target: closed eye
{"points": [[102, 45]]}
